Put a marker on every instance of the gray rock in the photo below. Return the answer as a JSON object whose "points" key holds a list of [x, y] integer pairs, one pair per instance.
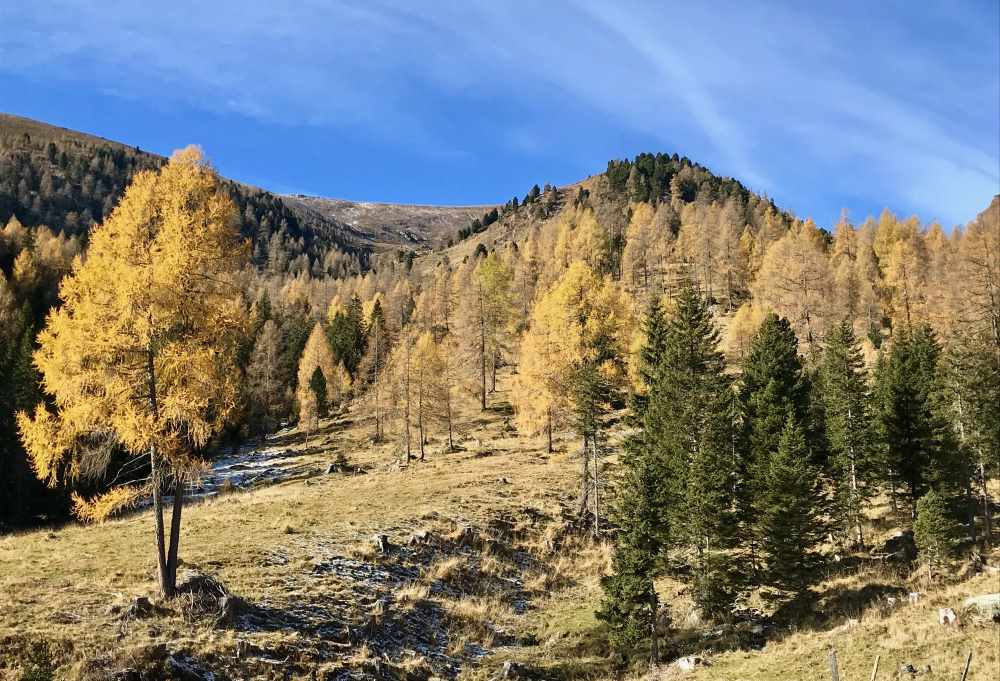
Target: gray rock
{"points": [[947, 617], [420, 537], [690, 663], [987, 605], [381, 543], [511, 670]]}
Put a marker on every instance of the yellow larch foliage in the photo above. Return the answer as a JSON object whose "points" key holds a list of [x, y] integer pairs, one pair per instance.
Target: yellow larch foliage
{"points": [[905, 274], [580, 315], [794, 280], [317, 353], [742, 328], [142, 352]]}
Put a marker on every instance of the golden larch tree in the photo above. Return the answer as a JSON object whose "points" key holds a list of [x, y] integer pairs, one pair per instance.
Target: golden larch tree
{"points": [[141, 356], [317, 355]]}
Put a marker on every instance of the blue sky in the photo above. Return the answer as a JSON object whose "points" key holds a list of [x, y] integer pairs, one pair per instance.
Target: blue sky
{"points": [[823, 106]]}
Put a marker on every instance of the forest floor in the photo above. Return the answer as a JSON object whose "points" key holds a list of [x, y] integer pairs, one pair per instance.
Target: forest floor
{"points": [[334, 561]]}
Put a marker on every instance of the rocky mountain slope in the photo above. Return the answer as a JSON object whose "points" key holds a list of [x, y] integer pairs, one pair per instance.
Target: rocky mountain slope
{"points": [[382, 225]]}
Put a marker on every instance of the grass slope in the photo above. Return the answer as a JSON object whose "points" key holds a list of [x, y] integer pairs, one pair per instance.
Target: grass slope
{"points": [[480, 570]]}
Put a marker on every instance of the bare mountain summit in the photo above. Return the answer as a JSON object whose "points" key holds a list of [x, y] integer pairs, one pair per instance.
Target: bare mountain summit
{"points": [[387, 224]]}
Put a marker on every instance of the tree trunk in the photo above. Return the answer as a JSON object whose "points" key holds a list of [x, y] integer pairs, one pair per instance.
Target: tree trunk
{"points": [[161, 549], [420, 413], [584, 501], [856, 505], [971, 504], [482, 351], [156, 477], [597, 482], [654, 647], [175, 538], [548, 429], [892, 491], [493, 370], [987, 509]]}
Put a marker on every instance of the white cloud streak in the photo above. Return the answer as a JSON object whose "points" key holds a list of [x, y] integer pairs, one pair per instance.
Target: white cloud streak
{"points": [[869, 103]]}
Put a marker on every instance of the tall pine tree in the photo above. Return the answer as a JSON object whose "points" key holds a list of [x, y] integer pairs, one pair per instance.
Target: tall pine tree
{"points": [[688, 422], [773, 387], [844, 394], [915, 440], [630, 604], [791, 506]]}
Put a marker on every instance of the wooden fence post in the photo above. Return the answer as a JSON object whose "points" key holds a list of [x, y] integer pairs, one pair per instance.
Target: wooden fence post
{"points": [[875, 668], [834, 671], [968, 663]]}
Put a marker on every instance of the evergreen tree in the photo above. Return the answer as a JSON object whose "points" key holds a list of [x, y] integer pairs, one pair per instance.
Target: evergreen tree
{"points": [[915, 436], [630, 604], [845, 398], [24, 376], [972, 380], [347, 335], [654, 329], [688, 422], [773, 387], [933, 530], [317, 384], [791, 505]]}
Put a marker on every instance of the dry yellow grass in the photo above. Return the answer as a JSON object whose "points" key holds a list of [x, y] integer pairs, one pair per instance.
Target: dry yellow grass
{"points": [[275, 546]]}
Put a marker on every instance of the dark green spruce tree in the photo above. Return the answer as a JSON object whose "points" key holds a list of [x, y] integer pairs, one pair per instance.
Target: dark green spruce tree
{"points": [[791, 507], [654, 330], [972, 396], [916, 442], [933, 531], [347, 335], [688, 423], [630, 605], [844, 393], [317, 384], [773, 387]]}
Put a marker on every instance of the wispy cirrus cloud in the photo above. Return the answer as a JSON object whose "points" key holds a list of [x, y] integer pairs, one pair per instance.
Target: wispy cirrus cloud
{"points": [[886, 104]]}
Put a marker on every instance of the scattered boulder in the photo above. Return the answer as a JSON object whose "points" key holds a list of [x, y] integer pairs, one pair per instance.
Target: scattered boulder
{"points": [[332, 469], [987, 605], [381, 544], [947, 617], [907, 668], [421, 538], [691, 662], [511, 670], [914, 597], [187, 669]]}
